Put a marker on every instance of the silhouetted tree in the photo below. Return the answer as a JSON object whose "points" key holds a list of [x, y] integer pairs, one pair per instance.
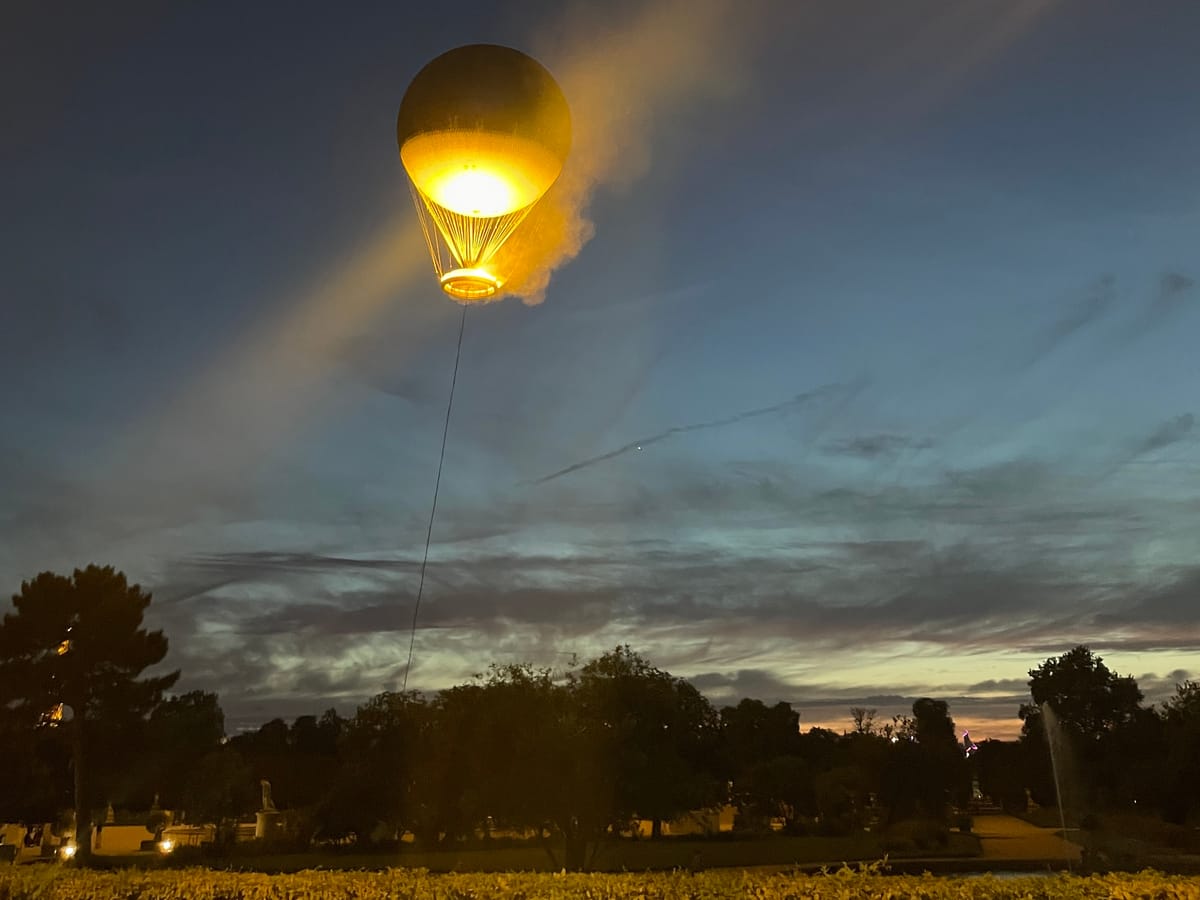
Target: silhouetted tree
{"points": [[532, 758], [1002, 769], [780, 788], [1091, 704], [840, 795], [77, 643], [934, 727], [926, 771], [868, 752], [902, 728], [863, 719], [36, 784], [1130, 768], [756, 743], [658, 732], [821, 748], [1181, 721], [180, 732], [753, 733], [385, 751], [298, 760], [1088, 700], [221, 789]]}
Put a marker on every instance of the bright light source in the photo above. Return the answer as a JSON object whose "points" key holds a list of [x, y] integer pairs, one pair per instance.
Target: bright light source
{"points": [[67, 851], [478, 173], [470, 284], [51, 717], [475, 192], [483, 132], [166, 846]]}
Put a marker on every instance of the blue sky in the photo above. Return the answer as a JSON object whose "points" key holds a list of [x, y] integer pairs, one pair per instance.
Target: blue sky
{"points": [[897, 299]]}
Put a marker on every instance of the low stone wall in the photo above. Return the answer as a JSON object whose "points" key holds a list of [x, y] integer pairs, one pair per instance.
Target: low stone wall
{"points": [[119, 840]]}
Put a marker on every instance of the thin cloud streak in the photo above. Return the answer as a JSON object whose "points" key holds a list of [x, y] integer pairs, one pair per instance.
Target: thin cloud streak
{"points": [[1170, 300], [1098, 300], [847, 392], [1170, 432], [877, 446], [1176, 430]]}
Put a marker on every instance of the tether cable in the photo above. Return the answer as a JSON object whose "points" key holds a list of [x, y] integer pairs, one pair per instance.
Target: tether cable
{"points": [[412, 637]]}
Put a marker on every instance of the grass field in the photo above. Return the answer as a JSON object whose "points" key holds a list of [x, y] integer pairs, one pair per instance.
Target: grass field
{"points": [[58, 883], [617, 856]]}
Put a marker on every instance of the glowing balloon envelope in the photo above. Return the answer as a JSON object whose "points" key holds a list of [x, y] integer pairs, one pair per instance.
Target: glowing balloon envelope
{"points": [[483, 132]]}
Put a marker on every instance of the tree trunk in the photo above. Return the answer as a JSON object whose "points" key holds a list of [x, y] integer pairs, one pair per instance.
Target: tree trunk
{"points": [[574, 846], [544, 836], [655, 828], [574, 852], [83, 814]]}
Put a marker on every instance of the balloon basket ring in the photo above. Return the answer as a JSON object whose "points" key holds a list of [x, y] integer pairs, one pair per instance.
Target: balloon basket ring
{"points": [[470, 285]]}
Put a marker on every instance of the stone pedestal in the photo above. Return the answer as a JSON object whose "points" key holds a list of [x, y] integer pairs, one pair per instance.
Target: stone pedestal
{"points": [[268, 824]]}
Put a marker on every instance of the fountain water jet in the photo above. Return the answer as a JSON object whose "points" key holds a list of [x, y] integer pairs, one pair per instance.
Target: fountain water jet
{"points": [[1055, 740]]}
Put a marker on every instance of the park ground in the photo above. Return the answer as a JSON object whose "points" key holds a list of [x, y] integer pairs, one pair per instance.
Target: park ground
{"points": [[1005, 838], [999, 842]]}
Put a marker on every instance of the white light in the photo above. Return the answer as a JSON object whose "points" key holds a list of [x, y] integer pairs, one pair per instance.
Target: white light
{"points": [[166, 846], [67, 851]]}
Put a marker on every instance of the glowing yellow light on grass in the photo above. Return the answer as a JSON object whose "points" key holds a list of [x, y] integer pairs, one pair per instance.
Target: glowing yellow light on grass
{"points": [[483, 132]]}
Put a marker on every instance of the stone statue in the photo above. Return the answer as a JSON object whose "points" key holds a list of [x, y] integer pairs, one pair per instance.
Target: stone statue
{"points": [[267, 802]]}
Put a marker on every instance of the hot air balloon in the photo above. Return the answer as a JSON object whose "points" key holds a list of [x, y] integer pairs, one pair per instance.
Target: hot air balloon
{"points": [[483, 132]]}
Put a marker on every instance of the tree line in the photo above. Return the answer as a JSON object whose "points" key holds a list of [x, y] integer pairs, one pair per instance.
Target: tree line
{"points": [[570, 757]]}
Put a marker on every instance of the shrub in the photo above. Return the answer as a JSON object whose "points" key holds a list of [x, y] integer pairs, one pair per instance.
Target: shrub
{"points": [[916, 834]]}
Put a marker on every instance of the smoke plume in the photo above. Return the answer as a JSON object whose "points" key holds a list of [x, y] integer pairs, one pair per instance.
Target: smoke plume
{"points": [[619, 79]]}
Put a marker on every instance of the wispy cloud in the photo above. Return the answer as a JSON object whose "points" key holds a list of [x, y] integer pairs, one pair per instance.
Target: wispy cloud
{"points": [[1173, 295], [260, 624], [876, 446], [1173, 431], [839, 394], [1169, 432], [1174, 291], [1173, 603], [1097, 301]]}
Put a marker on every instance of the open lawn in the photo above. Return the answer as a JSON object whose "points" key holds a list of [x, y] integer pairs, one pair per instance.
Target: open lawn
{"points": [[1128, 841], [615, 856], [55, 883]]}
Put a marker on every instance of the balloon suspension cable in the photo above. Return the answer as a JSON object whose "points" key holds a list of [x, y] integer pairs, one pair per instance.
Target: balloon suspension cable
{"points": [[412, 637]]}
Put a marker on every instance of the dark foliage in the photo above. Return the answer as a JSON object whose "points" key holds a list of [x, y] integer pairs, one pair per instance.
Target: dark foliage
{"points": [[76, 643]]}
